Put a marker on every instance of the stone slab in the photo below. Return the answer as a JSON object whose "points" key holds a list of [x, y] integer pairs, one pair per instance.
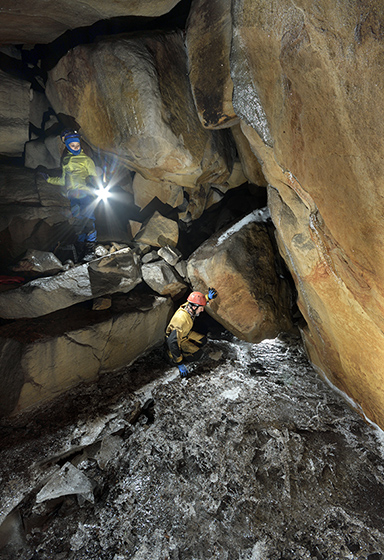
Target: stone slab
{"points": [[119, 272]]}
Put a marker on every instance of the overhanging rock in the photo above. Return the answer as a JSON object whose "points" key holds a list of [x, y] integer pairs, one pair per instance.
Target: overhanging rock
{"points": [[41, 359], [119, 272]]}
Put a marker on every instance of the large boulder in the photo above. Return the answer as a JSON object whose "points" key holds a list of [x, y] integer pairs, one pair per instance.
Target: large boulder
{"points": [[39, 361], [38, 21], [132, 97], [118, 272], [253, 299], [308, 85], [208, 40], [37, 153], [14, 113]]}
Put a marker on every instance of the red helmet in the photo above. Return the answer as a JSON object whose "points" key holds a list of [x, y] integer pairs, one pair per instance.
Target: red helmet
{"points": [[197, 298]]}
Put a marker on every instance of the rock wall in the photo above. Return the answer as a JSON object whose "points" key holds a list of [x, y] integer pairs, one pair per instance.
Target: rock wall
{"points": [[39, 364], [41, 22], [308, 87], [14, 114]]}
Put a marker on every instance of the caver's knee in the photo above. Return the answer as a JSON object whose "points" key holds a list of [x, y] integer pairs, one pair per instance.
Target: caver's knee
{"points": [[193, 356]]}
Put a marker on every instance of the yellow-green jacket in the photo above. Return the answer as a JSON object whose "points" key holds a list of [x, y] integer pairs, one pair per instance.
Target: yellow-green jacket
{"points": [[75, 172]]}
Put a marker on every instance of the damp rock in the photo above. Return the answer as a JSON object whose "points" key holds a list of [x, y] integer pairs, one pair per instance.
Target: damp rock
{"points": [[163, 279], [42, 263], [171, 255], [68, 481], [119, 272], [109, 450]]}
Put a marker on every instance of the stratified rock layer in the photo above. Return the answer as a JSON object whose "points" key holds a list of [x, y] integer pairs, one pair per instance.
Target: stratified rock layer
{"points": [[33, 214], [40, 360], [42, 22], [309, 86], [14, 113]]}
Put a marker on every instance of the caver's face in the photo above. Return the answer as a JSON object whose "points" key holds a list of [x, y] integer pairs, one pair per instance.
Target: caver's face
{"points": [[74, 146], [199, 310]]}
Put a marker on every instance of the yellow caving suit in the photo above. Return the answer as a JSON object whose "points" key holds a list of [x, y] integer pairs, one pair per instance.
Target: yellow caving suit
{"points": [[181, 340]]}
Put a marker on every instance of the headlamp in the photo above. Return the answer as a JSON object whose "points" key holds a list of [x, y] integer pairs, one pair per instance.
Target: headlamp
{"points": [[103, 194]]}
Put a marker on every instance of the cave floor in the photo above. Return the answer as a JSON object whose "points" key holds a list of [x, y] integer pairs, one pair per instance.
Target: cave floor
{"points": [[253, 457]]}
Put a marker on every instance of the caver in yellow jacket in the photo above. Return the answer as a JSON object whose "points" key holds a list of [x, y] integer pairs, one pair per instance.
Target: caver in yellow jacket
{"points": [[181, 339], [75, 173]]}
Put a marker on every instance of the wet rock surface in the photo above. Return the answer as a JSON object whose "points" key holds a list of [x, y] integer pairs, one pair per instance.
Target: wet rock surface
{"points": [[118, 272], [252, 457]]}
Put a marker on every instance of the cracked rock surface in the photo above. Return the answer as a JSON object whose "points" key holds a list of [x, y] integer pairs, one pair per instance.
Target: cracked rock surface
{"points": [[252, 457]]}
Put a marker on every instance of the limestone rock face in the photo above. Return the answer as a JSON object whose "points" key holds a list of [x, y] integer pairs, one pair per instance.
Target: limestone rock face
{"points": [[250, 165], [118, 272], [32, 213], [37, 153], [38, 21], [131, 96], [253, 301], [145, 191], [14, 113], [38, 109], [159, 232], [209, 36], [309, 87], [38, 365]]}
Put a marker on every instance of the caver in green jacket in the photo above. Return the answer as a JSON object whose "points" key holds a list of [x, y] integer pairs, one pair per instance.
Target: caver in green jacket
{"points": [[75, 172]]}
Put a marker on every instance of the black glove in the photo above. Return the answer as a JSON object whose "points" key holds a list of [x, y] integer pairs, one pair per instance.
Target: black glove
{"points": [[212, 293]]}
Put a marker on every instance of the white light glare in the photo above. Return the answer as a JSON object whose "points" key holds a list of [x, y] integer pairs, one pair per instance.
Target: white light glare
{"points": [[103, 193]]}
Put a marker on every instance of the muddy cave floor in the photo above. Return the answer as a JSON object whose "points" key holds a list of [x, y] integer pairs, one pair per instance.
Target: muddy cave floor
{"points": [[253, 457]]}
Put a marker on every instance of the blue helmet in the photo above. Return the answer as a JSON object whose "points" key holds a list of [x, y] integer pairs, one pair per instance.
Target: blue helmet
{"points": [[69, 136]]}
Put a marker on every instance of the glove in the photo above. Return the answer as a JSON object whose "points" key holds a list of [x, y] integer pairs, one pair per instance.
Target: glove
{"points": [[43, 175], [211, 293], [183, 370]]}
